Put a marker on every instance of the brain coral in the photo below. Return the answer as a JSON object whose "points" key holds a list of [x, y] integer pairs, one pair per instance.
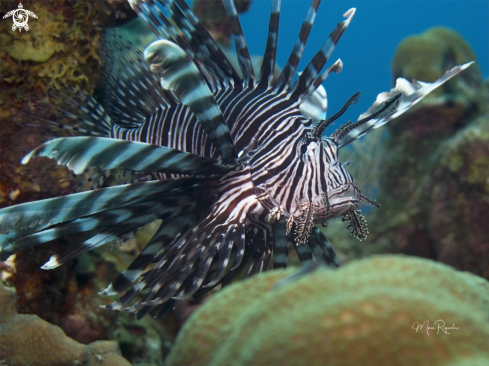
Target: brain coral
{"points": [[364, 313]]}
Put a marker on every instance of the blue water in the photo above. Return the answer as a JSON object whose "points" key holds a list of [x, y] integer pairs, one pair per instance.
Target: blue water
{"points": [[368, 45]]}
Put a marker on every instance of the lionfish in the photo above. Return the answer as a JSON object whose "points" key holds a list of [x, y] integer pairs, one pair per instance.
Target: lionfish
{"points": [[238, 164]]}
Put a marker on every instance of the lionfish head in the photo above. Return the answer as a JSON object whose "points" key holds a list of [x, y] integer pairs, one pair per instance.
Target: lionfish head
{"points": [[338, 191]]}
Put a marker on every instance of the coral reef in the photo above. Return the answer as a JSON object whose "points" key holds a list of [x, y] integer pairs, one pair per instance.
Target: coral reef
{"points": [[29, 340], [411, 181], [458, 193], [427, 56], [59, 51], [68, 297], [372, 306], [430, 168]]}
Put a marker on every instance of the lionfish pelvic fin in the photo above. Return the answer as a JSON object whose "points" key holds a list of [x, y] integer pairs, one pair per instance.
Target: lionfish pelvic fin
{"points": [[305, 223], [357, 223]]}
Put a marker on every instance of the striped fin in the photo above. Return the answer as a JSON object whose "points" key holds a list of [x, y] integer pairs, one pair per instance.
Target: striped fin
{"points": [[168, 233], [316, 106], [280, 246], [210, 56], [131, 223], [115, 223], [173, 20], [316, 64], [232, 235], [214, 50], [244, 59], [326, 253], [82, 153], [314, 87], [90, 118], [258, 241], [133, 91], [410, 93], [155, 15], [303, 252], [295, 56], [27, 218], [268, 63], [179, 74]]}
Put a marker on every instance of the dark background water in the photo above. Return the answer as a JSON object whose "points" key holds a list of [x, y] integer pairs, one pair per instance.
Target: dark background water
{"points": [[368, 45]]}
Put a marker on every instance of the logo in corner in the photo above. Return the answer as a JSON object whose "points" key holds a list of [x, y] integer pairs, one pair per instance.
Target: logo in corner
{"points": [[20, 17]]}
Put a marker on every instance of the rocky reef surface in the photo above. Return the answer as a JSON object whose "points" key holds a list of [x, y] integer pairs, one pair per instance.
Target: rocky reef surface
{"points": [[26, 339]]}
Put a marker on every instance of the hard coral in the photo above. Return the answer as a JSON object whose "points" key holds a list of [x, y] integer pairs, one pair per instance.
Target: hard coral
{"points": [[370, 312], [29, 340], [458, 193], [405, 222]]}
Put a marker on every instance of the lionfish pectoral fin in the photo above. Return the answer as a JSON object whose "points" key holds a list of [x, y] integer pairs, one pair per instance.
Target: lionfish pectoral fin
{"points": [[82, 153], [179, 74], [390, 105], [357, 223], [88, 213], [168, 232]]}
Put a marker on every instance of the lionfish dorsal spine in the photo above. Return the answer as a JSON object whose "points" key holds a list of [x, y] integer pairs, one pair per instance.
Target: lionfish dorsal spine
{"points": [[268, 63], [316, 64], [179, 74], [244, 59], [290, 67]]}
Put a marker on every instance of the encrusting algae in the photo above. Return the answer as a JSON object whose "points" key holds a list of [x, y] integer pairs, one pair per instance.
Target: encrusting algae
{"points": [[365, 313]]}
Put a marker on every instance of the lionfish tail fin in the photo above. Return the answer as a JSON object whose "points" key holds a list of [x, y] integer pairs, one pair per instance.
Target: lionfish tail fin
{"points": [[390, 105]]}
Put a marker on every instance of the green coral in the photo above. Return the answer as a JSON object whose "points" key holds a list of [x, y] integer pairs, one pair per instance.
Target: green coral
{"points": [[363, 313]]}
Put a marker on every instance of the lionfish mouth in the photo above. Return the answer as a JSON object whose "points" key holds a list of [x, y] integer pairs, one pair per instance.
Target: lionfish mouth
{"points": [[345, 199]]}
